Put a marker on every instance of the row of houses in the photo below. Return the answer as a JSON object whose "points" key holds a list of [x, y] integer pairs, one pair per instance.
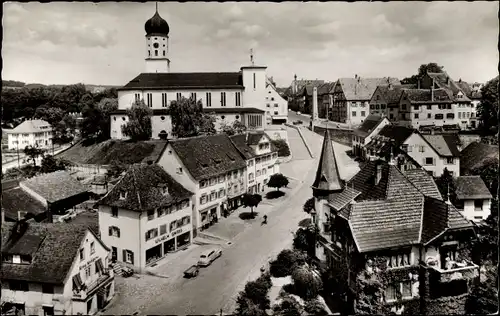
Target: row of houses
{"points": [[435, 101], [378, 138], [394, 221]]}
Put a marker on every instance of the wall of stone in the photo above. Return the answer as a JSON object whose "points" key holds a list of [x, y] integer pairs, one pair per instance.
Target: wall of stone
{"points": [[342, 136]]}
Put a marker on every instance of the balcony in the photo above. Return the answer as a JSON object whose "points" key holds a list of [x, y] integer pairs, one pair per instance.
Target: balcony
{"points": [[464, 270], [89, 289]]}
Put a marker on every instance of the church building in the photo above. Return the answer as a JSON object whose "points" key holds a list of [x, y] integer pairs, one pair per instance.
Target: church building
{"points": [[229, 96]]}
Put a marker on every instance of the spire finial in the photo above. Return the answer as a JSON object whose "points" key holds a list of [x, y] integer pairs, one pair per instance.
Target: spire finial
{"points": [[156, 6], [251, 56]]}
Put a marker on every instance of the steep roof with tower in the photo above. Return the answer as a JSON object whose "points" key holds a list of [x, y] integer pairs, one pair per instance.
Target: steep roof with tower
{"points": [[327, 175], [156, 25]]}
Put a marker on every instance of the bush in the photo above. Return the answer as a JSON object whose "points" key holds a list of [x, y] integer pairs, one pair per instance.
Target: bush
{"points": [[283, 149], [286, 261], [288, 307], [254, 297], [315, 307], [306, 283]]}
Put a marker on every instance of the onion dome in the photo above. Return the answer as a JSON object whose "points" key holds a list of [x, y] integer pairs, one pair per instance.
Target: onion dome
{"points": [[156, 26]]}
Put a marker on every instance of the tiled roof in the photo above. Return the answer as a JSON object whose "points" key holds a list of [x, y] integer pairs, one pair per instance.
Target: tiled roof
{"points": [[444, 81], [208, 156], [425, 95], [435, 219], [369, 124], [240, 143], [17, 199], [457, 220], [143, 185], [53, 248], [325, 88], [55, 186], [232, 110], [89, 219], [471, 187], [31, 126], [327, 174], [445, 145], [424, 183], [475, 155], [362, 88], [390, 93], [340, 199], [190, 80]]}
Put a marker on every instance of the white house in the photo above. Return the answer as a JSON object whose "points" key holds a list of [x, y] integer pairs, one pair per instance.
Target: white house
{"points": [[261, 158], [473, 198], [434, 152], [363, 134], [54, 269], [229, 96], [276, 106], [213, 169], [36, 133], [146, 216]]}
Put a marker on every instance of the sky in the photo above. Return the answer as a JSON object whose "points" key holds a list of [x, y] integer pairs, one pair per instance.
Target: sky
{"points": [[104, 43]]}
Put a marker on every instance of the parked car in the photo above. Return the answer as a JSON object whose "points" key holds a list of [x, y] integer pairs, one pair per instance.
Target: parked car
{"points": [[208, 256], [298, 112], [192, 271]]}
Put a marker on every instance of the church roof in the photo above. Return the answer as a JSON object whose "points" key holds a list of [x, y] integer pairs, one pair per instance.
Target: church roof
{"points": [[327, 175], [156, 26], [188, 80]]}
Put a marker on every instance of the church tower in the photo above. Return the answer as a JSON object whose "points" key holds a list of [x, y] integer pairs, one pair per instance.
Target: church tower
{"points": [[327, 181], [157, 29]]}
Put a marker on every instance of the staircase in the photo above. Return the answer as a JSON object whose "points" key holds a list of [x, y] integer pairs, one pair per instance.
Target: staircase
{"points": [[118, 269]]}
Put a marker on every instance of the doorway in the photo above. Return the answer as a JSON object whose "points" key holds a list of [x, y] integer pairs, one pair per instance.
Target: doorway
{"points": [[114, 254]]}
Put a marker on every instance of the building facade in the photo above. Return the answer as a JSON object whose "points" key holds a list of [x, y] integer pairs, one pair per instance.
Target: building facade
{"points": [[276, 106], [54, 269], [385, 101], [145, 217], [473, 198], [363, 135], [35, 133]]}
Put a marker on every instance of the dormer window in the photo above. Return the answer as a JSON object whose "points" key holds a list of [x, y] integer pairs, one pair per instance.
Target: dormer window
{"points": [[123, 195], [164, 189]]}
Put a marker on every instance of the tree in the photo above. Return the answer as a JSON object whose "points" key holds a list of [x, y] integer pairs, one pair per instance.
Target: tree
{"points": [[488, 108], [33, 153], [446, 185], [288, 307], [239, 127], [253, 300], [306, 283], [188, 118], [309, 205], [90, 125], [106, 106], [483, 299], [282, 146], [305, 240], [115, 170], [138, 126], [251, 200], [51, 164], [286, 261], [277, 181], [370, 287], [315, 307], [422, 70], [246, 307]]}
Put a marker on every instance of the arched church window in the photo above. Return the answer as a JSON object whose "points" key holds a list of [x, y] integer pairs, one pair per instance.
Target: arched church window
{"points": [[163, 53], [156, 52], [163, 118], [149, 53], [237, 117]]}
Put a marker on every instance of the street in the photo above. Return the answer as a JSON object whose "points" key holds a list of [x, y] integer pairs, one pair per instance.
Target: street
{"points": [[217, 285], [23, 160]]}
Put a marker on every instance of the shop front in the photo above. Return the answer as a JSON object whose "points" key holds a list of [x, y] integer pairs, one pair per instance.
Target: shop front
{"points": [[183, 240], [153, 254], [234, 202], [168, 243], [208, 217]]}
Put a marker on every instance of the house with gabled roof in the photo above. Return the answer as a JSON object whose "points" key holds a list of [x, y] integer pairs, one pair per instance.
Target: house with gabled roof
{"points": [[35, 133], [213, 169], [473, 198], [152, 210], [475, 156], [364, 133], [385, 101], [383, 215], [351, 98], [276, 105], [261, 158], [54, 269]]}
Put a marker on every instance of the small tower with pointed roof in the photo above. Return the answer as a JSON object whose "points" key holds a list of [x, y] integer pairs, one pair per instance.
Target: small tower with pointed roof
{"points": [[327, 180], [157, 57]]}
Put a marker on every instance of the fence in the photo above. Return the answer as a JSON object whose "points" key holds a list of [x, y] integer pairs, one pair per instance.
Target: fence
{"points": [[89, 169]]}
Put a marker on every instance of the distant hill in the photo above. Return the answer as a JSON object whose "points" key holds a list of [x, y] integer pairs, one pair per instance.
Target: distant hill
{"points": [[18, 84]]}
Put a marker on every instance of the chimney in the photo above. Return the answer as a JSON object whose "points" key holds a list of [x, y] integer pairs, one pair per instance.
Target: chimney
{"points": [[315, 103], [379, 173]]}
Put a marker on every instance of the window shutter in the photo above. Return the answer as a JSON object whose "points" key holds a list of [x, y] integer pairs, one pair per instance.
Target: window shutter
{"points": [[118, 231], [124, 255], [110, 230], [132, 255]]}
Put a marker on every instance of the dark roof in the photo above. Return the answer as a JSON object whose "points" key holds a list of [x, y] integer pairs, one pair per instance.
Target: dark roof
{"points": [[435, 219], [471, 187], [191, 80], [476, 155], [143, 185], [444, 81], [242, 142], [424, 183], [445, 145], [232, 110], [208, 156], [425, 95], [53, 248], [338, 200], [327, 174], [390, 93], [362, 88], [55, 186], [398, 133], [17, 199], [89, 219], [457, 220], [156, 25], [369, 124]]}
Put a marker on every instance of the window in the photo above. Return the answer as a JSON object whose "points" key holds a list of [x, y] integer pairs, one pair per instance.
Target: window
{"points": [[363, 113], [254, 81], [114, 231], [450, 160], [237, 96], [213, 195], [128, 256], [82, 254], [353, 113], [276, 105], [123, 195], [421, 149], [250, 176], [19, 286], [163, 229], [372, 107], [173, 225], [48, 310], [268, 105], [415, 115], [179, 170], [429, 161], [137, 97], [403, 107], [428, 115], [399, 260], [92, 248], [114, 211], [47, 288], [164, 100], [438, 116], [178, 96], [377, 106], [203, 184], [221, 179], [208, 97], [478, 205], [156, 52], [415, 107], [203, 199], [149, 98], [149, 53], [390, 292], [391, 116], [88, 272], [276, 112], [223, 99], [193, 96], [450, 115], [152, 233], [151, 214]]}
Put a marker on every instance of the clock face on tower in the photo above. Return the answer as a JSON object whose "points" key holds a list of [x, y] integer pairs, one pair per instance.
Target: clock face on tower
{"points": [[156, 45]]}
